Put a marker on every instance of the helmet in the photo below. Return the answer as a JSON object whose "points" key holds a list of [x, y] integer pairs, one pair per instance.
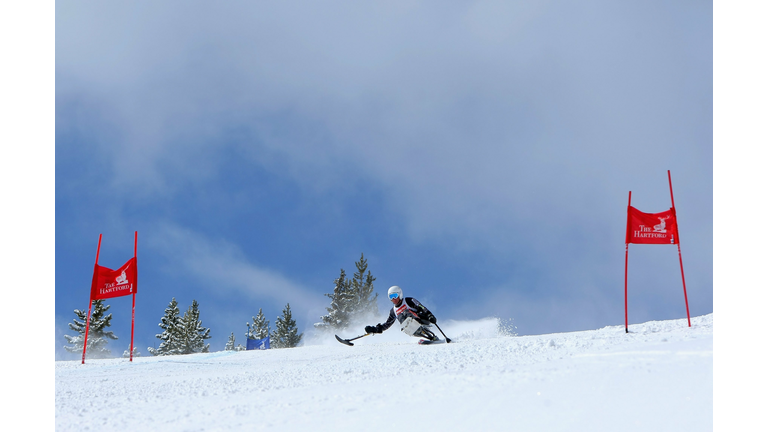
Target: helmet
{"points": [[394, 291]]}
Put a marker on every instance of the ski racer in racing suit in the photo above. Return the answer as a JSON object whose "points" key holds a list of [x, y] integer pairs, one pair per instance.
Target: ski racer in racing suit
{"points": [[413, 317]]}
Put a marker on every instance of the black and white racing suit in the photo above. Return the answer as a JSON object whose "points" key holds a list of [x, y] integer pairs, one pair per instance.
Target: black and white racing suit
{"points": [[409, 308]]}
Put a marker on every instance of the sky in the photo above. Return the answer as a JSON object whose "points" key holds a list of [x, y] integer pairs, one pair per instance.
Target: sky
{"points": [[479, 155]]}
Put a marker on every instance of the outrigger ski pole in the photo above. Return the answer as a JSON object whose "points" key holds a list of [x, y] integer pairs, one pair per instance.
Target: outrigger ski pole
{"points": [[447, 339], [349, 341]]}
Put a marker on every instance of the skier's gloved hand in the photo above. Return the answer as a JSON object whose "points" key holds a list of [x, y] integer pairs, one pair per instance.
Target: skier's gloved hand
{"points": [[372, 329], [426, 315]]}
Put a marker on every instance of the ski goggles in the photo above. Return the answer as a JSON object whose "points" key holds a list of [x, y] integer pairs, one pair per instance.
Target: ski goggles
{"points": [[393, 296]]}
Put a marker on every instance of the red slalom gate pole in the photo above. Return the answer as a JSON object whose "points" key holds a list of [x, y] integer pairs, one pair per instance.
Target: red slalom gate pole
{"points": [[90, 302], [626, 265], [135, 286], [685, 293], [679, 253]]}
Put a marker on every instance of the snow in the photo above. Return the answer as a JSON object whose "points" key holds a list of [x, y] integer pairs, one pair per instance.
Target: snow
{"points": [[658, 377]]}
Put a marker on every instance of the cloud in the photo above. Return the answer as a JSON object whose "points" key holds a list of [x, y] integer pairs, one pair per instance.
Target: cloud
{"points": [[471, 126], [222, 268], [499, 128]]}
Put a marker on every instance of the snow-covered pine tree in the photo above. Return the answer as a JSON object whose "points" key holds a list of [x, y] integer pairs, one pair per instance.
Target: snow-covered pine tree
{"points": [[97, 335], [260, 327], [127, 353], [192, 334], [342, 302], [286, 335], [170, 335], [230, 346], [350, 298], [362, 288]]}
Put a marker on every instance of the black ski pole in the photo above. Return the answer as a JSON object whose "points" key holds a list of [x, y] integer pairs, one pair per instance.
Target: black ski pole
{"points": [[447, 339], [349, 341]]}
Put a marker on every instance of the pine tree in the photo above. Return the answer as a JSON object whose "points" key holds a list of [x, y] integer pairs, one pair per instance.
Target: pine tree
{"points": [[362, 288], [97, 335], [342, 304], [136, 353], [170, 335], [260, 328], [286, 334], [230, 346], [192, 334], [350, 298]]}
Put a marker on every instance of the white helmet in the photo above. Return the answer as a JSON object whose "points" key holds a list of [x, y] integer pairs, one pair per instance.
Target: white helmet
{"points": [[394, 291]]}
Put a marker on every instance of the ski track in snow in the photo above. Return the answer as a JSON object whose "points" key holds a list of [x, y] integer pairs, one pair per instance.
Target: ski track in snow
{"points": [[656, 378]]}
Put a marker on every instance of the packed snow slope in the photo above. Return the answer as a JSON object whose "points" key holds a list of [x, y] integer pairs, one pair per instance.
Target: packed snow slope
{"points": [[656, 378]]}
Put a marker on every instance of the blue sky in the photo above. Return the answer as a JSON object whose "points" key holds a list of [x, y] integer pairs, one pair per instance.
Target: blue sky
{"points": [[478, 153]]}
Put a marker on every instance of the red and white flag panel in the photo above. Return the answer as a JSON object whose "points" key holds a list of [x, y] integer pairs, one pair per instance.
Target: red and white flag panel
{"points": [[108, 283], [651, 228]]}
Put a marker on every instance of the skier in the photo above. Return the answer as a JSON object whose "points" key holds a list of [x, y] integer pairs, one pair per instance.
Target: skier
{"points": [[414, 318]]}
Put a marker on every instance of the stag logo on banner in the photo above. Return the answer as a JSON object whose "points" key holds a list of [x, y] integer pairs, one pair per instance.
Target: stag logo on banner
{"points": [[121, 284], [122, 279]]}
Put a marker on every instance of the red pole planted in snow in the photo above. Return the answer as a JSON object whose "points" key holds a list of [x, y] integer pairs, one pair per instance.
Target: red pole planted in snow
{"points": [[685, 293], [90, 301], [135, 286], [679, 254], [626, 265]]}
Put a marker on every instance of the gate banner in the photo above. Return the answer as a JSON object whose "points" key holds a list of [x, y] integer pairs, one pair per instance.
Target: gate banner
{"points": [[257, 344], [651, 228], [108, 283]]}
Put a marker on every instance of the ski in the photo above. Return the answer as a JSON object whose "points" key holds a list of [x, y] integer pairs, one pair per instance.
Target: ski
{"points": [[344, 341], [430, 342], [348, 341]]}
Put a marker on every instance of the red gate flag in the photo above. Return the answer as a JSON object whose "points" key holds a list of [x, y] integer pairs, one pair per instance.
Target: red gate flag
{"points": [[108, 283], [651, 228]]}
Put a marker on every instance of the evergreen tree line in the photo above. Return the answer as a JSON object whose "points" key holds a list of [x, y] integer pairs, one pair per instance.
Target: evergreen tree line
{"points": [[185, 334], [181, 335], [285, 335], [351, 298]]}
